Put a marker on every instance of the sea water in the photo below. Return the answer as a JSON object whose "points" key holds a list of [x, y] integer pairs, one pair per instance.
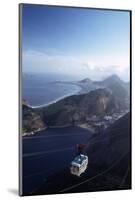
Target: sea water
{"points": [[42, 89]]}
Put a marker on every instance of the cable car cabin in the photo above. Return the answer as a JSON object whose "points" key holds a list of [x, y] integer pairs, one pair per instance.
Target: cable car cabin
{"points": [[79, 165]]}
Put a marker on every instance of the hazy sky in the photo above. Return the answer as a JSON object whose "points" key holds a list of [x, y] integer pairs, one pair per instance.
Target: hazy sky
{"points": [[80, 42]]}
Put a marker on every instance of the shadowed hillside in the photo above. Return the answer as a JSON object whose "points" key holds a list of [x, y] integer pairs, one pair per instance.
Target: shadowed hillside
{"points": [[77, 109], [31, 121], [109, 164]]}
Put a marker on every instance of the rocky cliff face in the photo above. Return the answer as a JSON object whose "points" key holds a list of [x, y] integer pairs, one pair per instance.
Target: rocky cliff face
{"points": [[78, 108], [116, 85], [31, 121]]}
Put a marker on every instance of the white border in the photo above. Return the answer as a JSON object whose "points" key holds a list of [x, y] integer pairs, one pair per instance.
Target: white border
{"points": [[9, 98]]}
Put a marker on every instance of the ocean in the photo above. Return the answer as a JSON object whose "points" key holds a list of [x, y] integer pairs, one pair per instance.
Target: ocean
{"points": [[42, 89]]}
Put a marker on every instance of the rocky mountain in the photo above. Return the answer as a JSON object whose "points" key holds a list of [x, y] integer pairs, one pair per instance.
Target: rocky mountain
{"points": [[119, 88], [111, 79], [112, 97], [86, 85], [77, 109], [31, 121], [116, 85], [86, 80]]}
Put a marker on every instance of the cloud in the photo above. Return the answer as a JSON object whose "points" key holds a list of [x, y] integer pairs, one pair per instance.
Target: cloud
{"points": [[96, 67]]}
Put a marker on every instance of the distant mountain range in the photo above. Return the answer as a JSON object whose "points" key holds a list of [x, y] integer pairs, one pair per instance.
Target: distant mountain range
{"points": [[104, 98], [117, 86], [113, 82], [86, 80]]}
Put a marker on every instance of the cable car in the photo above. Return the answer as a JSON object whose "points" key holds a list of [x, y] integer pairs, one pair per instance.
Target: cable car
{"points": [[79, 165]]}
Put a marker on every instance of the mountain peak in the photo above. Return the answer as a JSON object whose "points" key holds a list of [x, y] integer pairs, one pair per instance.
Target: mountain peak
{"points": [[86, 80], [113, 78]]}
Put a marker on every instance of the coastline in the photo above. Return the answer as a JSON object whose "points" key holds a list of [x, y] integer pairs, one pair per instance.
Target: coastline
{"points": [[58, 99]]}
